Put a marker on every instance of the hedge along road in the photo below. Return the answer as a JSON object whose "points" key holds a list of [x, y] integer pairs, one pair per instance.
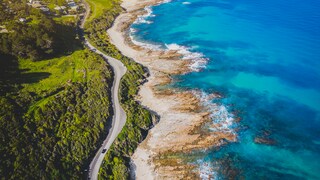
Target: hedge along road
{"points": [[119, 117]]}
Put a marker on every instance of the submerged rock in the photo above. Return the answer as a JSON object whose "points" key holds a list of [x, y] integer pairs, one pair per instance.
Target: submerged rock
{"points": [[264, 140]]}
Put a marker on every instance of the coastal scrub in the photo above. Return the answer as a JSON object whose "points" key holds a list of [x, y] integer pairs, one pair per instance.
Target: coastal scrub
{"points": [[139, 119]]}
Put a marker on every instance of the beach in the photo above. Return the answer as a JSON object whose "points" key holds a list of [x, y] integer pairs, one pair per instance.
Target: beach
{"points": [[181, 113]]}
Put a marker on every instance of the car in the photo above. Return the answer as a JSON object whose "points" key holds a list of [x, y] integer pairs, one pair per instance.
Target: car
{"points": [[104, 150]]}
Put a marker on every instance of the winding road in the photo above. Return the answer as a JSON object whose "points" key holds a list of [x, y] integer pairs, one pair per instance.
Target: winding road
{"points": [[119, 117]]}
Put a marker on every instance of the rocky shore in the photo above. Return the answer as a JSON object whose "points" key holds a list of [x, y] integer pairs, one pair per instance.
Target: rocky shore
{"points": [[182, 115]]}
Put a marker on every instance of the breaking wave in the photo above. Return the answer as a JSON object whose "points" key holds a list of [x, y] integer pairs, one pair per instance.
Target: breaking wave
{"points": [[199, 61], [142, 19], [207, 170], [223, 121], [186, 3]]}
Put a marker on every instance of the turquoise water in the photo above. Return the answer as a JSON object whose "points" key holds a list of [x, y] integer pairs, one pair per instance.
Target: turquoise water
{"points": [[263, 57]]}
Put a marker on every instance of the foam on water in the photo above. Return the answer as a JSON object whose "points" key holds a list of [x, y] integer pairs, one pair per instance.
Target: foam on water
{"points": [[198, 60], [223, 121], [264, 63], [142, 19], [206, 170], [164, 2], [147, 45], [140, 43], [132, 30], [223, 118]]}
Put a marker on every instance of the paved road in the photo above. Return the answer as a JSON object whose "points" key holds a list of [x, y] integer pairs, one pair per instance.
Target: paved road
{"points": [[119, 118]]}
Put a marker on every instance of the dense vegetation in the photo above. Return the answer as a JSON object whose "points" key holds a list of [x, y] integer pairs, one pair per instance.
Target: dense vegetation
{"points": [[54, 113], [139, 120], [98, 7], [54, 95], [52, 122], [37, 36]]}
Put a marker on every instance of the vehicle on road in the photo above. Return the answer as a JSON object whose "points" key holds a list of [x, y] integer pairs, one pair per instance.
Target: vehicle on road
{"points": [[104, 150]]}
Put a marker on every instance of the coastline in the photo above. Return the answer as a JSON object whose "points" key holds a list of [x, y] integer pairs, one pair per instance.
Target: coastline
{"points": [[181, 113]]}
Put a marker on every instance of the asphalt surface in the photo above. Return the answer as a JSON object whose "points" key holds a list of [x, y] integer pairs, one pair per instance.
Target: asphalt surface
{"points": [[119, 117]]}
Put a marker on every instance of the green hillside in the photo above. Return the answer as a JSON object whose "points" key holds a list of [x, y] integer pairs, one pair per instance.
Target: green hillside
{"points": [[54, 97]]}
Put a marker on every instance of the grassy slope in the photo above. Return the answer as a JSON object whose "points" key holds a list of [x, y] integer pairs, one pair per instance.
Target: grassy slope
{"points": [[53, 116], [98, 7], [139, 120], [72, 68], [65, 19]]}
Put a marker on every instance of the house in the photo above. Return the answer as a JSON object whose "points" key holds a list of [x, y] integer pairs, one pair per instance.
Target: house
{"points": [[60, 8], [36, 4], [73, 6], [23, 20], [44, 9]]}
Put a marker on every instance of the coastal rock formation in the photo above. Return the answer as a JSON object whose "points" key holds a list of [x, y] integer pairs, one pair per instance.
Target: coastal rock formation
{"points": [[181, 113]]}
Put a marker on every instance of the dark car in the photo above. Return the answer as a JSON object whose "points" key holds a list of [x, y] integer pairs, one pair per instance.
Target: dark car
{"points": [[104, 150]]}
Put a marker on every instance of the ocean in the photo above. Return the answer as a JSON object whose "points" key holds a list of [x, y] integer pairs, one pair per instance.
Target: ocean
{"points": [[263, 59]]}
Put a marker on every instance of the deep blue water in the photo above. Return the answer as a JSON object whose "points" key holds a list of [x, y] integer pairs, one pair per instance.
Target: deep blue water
{"points": [[264, 59]]}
